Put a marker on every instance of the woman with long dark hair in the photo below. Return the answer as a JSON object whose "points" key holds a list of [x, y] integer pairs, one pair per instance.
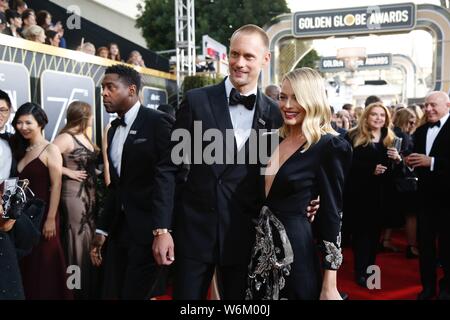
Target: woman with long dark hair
{"points": [[78, 191], [39, 161]]}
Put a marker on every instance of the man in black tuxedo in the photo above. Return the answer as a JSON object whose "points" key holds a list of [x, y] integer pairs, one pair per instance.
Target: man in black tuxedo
{"points": [[137, 140], [213, 218], [431, 161]]}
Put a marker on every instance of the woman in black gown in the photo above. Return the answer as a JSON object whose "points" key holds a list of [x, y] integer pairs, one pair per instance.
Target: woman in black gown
{"points": [[311, 160], [370, 185]]}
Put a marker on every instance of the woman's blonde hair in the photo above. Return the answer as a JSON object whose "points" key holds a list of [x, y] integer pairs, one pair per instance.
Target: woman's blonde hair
{"points": [[361, 135], [33, 32], [402, 118], [309, 90]]}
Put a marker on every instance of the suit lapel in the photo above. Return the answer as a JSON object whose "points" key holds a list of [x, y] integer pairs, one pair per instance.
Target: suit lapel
{"points": [[219, 107], [443, 133], [112, 171], [134, 130]]}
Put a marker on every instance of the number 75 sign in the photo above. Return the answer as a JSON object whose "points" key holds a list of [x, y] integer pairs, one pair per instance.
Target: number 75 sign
{"points": [[58, 90]]}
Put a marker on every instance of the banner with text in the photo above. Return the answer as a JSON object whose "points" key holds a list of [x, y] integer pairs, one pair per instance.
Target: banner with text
{"points": [[370, 19], [373, 61]]}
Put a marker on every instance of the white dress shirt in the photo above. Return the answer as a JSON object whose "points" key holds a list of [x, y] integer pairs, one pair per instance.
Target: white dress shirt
{"points": [[5, 159], [431, 136], [241, 117], [121, 135]]}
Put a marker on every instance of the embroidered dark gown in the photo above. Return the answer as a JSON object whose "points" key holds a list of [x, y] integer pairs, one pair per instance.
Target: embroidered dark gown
{"points": [[78, 208], [320, 170], [44, 269]]}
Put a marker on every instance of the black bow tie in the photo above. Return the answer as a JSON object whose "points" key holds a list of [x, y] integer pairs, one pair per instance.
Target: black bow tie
{"points": [[4, 136], [237, 98], [435, 124], [118, 122]]}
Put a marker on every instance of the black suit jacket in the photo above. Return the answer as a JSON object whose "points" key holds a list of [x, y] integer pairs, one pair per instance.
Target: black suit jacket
{"points": [[434, 184], [213, 217], [134, 190], [13, 172]]}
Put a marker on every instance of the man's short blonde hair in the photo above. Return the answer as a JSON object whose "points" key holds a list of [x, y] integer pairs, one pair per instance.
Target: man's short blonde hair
{"points": [[252, 29]]}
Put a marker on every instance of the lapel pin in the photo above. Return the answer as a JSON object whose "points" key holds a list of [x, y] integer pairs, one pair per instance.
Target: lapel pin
{"points": [[262, 121], [133, 131]]}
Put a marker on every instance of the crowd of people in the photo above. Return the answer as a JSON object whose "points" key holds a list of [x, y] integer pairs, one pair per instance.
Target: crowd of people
{"points": [[23, 22], [374, 170]]}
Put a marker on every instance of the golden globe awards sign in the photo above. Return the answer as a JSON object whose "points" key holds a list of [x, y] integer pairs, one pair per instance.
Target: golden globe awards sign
{"points": [[373, 61], [369, 19]]}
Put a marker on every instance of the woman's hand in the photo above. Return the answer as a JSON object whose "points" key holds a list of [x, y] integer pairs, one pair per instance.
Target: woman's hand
{"points": [[379, 169], [49, 229], [393, 154], [76, 175], [330, 294], [6, 224]]}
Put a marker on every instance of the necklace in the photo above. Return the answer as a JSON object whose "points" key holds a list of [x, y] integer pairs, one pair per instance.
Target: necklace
{"points": [[32, 147]]}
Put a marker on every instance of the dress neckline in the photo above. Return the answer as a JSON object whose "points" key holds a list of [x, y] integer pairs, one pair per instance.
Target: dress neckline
{"points": [[297, 151], [36, 158]]}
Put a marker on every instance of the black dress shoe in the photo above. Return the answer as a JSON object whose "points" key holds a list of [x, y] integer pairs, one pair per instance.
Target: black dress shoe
{"points": [[344, 296], [444, 295], [426, 294]]}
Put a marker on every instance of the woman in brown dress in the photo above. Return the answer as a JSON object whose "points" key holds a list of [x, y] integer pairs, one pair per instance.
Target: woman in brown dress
{"points": [[44, 269], [78, 192]]}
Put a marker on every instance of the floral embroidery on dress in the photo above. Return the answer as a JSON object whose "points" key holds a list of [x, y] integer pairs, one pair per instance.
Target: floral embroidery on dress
{"points": [[333, 254], [271, 258]]}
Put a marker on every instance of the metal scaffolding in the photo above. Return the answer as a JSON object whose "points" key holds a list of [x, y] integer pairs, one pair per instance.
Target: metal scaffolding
{"points": [[185, 40]]}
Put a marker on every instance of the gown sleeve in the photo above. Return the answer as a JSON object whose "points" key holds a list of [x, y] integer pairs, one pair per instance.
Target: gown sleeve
{"points": [[334, 165]]}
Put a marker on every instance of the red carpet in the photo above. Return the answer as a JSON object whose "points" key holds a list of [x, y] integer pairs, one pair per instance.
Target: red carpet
{"points": [[400, 279]]}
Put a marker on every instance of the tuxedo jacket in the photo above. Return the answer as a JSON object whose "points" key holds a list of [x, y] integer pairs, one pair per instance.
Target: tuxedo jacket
{"points": [[13, 172], [212, 217], [434, 185], [134, 191]]}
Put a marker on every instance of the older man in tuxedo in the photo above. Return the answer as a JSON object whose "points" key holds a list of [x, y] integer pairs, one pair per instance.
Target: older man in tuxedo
{"points": [[431, 161]]}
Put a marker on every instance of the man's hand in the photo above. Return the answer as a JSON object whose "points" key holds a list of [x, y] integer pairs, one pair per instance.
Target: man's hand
{"points": [[96, 249], [311, 210], [418, 160], [163, 249]]}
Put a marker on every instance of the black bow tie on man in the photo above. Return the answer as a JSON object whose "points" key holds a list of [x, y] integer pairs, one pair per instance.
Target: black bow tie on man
{"points": [[237, 98], [435, 124], [118, 122]]}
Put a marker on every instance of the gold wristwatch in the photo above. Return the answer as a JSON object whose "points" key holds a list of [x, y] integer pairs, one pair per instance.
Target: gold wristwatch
{"points": [[158, 232]]}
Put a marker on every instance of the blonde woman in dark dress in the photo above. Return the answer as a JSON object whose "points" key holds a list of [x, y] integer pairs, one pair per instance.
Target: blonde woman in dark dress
{"points": [[311, 160], [78, 192]]}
